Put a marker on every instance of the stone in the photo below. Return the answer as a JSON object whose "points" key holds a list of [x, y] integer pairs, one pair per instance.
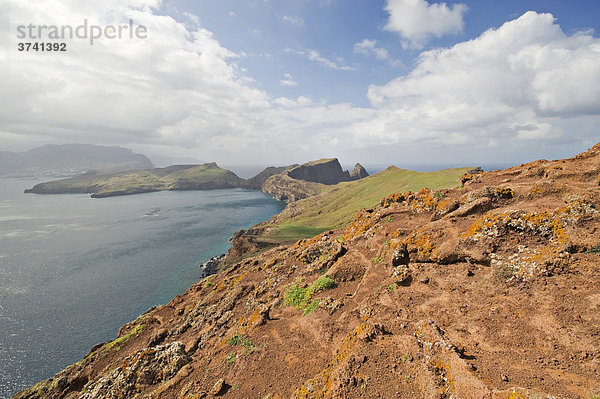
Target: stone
{"points": [[400, 256], [219, 387]]}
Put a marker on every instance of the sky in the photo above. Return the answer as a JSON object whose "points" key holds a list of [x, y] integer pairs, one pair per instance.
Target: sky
{"points": [[404, 82]]}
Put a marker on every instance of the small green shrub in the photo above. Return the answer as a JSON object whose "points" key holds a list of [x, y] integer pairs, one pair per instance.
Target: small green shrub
{"points": [[439, 195], [300, 297], [376, 259], [388, 219], [231, 358], [297, 296], [242, 340], [323, 283]]}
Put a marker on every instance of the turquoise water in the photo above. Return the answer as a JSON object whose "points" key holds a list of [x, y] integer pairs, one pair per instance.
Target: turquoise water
{"points": [[74, 269]]}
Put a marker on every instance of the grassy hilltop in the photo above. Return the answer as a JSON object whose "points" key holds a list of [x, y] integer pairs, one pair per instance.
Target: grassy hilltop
{"points": [[336, 206]]}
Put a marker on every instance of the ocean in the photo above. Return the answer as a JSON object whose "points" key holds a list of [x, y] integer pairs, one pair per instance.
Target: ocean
{"points": [[74, 269]]}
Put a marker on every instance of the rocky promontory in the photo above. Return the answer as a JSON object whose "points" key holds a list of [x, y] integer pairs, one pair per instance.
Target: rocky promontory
{"points": [[306, 180], [325, 171]]}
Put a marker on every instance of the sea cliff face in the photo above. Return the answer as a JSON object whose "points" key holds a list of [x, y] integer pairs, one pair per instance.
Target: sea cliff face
{"points": [[482, 291], [307, 180], [325, 171]]}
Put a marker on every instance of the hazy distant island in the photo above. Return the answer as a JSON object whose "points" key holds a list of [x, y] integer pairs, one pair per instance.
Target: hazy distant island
{"points": [[289, 183], [70, 159]]}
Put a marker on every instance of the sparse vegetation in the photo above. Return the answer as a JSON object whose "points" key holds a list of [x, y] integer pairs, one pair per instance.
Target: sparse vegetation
{"points": [[300, 297], [231, 358], [376, 259], [116, 344], [312, 306], [241, 340]]}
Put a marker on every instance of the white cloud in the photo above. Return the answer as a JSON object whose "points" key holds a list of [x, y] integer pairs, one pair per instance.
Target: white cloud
{"points": [[368, 47], [417, 21], [180, 92], [314, 55], [293, 20], [288, 80], [526, 80]]}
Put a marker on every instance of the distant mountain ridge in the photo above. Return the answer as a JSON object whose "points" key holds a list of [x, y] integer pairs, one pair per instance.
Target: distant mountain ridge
{"points": [[71, 159]]}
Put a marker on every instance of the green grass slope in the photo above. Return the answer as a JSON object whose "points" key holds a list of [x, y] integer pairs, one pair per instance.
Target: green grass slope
{"points": [[337, 206]]}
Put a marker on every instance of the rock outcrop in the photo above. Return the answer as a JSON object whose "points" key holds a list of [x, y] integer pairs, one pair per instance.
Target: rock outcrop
{"points": [[285, 188], [305, 180], [359, 172], [324, 171]]}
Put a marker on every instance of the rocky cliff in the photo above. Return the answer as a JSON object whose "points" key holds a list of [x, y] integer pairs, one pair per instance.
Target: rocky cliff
{"points": [[359, 172], [285, 188], [324, 171], [487, 291], [259, 180], [306, 180]]}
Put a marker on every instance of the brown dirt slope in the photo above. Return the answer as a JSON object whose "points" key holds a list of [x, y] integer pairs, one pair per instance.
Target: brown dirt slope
{"points": [[490, 291]]}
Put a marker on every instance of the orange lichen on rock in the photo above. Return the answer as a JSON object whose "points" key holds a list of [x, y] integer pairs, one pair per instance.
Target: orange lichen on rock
{"points": [[467, 177], [363, 221], [396, 198], [418, 242], [550, 226]]}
